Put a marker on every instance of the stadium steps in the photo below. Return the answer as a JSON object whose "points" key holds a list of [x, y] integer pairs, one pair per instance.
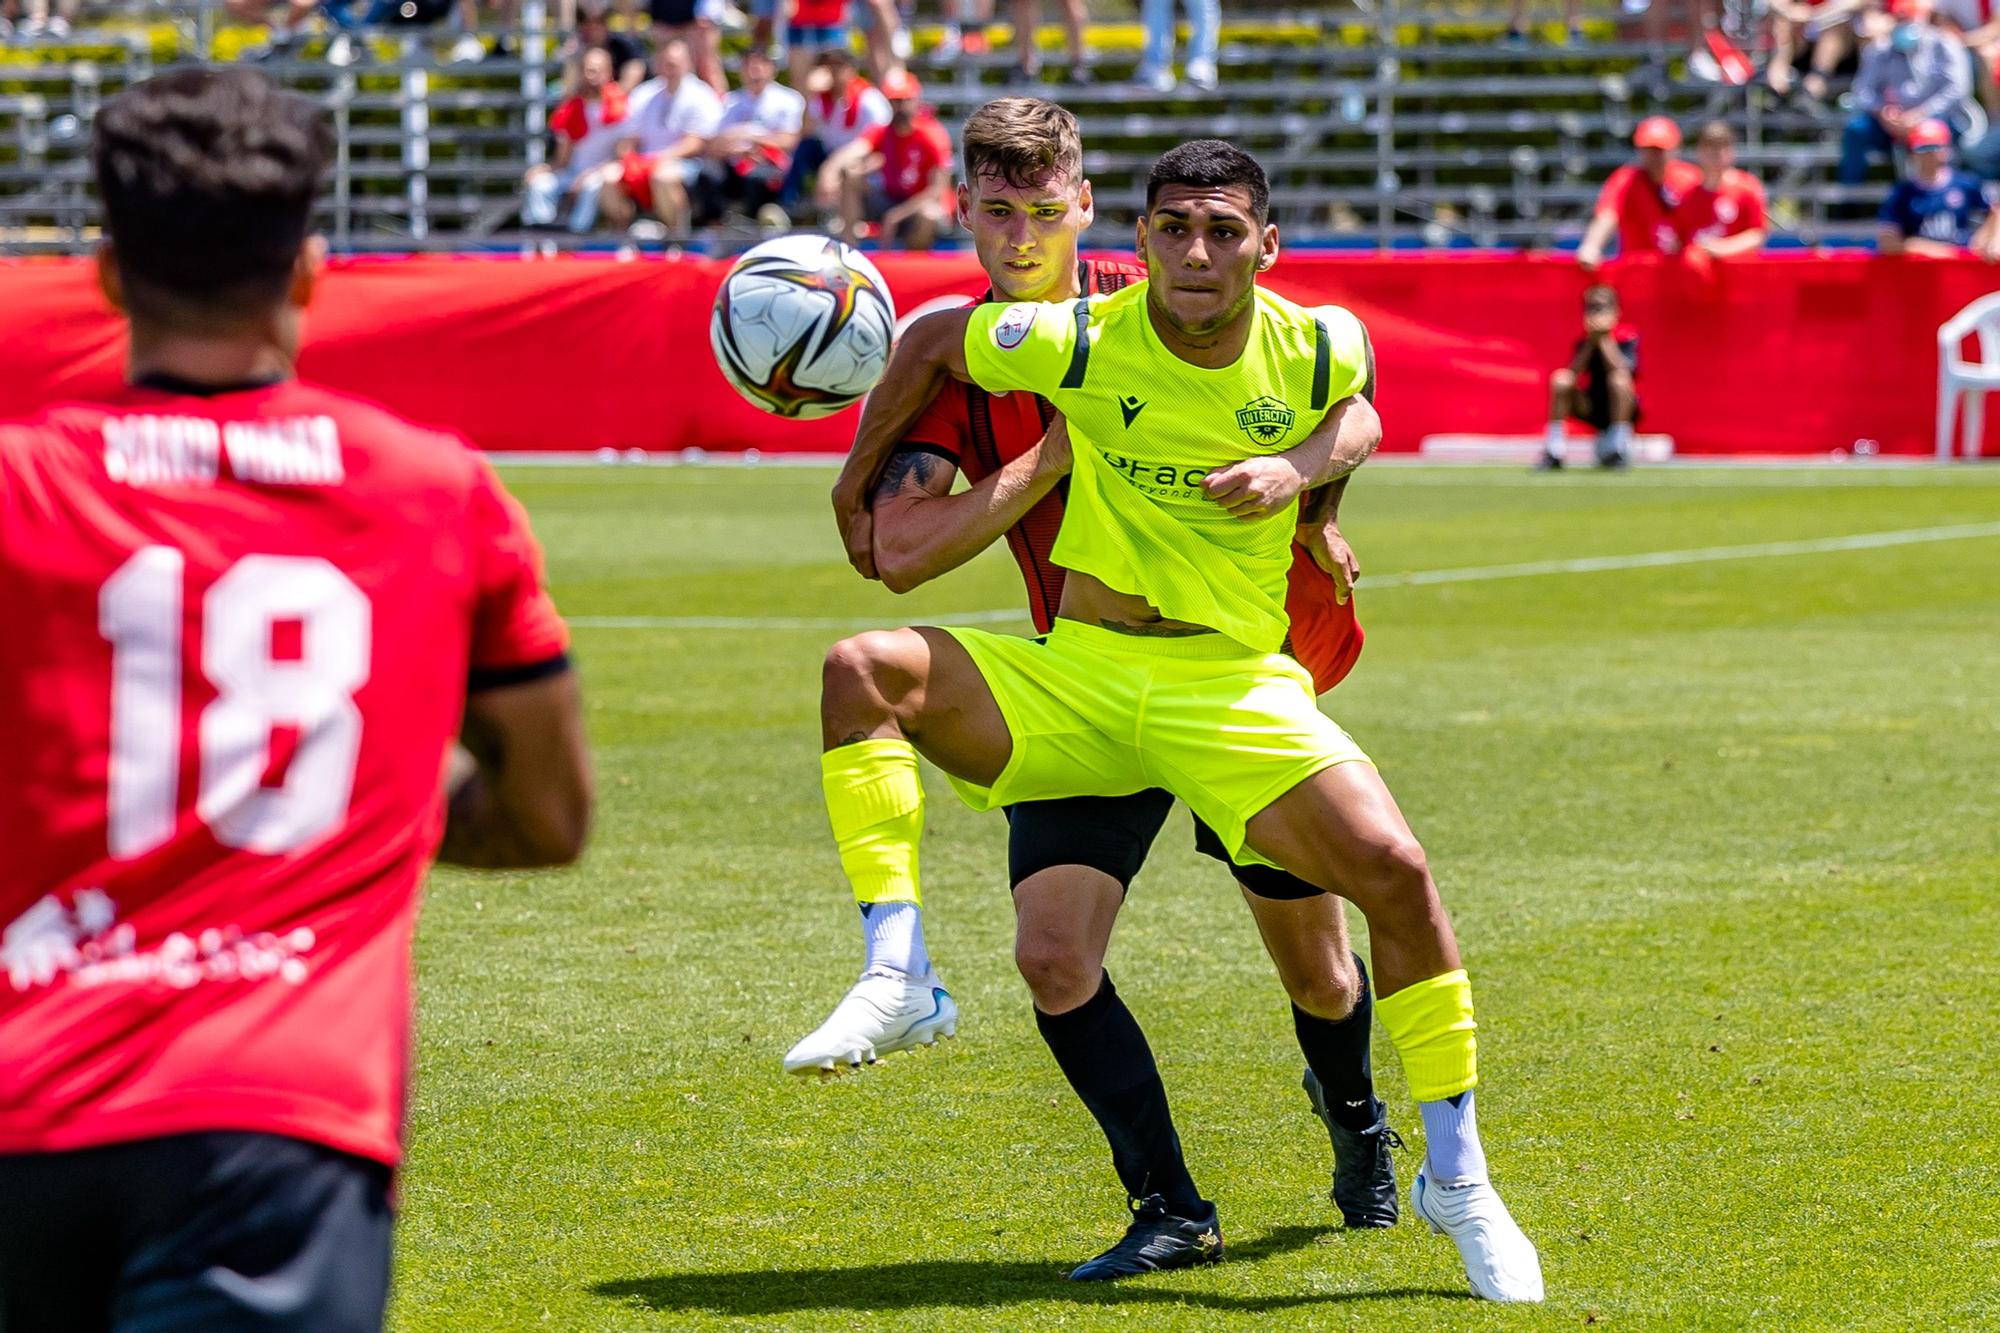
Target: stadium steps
{"points": [[1485, 135]]}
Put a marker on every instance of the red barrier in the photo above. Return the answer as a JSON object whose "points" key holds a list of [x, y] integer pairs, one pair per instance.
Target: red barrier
{"points": [[1784, 354]]}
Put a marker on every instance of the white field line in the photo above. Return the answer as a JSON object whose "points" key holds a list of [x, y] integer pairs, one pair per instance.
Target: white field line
{"points": [[1861, 541]]}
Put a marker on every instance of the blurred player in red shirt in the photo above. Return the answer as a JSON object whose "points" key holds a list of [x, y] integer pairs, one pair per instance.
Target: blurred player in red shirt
{"points": [[1722, 216], [1638, 199], [249, 617], [897, 175], [1026, 203]]}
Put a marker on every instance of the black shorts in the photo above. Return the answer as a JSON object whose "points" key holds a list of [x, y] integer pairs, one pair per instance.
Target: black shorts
{"points": [[1113, 834], [1597, 404], [219, 1232]]}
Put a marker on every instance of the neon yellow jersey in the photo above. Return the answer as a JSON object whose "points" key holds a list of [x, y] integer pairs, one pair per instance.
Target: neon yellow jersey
{"points": [[1146, 427]]}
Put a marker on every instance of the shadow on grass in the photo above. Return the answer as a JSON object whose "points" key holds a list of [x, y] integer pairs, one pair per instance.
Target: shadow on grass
{"points": [[967, 1284]]}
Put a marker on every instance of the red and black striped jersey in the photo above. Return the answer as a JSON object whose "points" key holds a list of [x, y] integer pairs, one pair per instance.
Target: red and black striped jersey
{"points": [[981, 432]]}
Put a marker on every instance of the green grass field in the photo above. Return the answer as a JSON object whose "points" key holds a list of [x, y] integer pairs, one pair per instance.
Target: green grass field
{"points": [[1721, 839]]}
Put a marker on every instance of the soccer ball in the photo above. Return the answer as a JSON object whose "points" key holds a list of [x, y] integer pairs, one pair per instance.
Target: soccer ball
{"points": [[802, 326]]}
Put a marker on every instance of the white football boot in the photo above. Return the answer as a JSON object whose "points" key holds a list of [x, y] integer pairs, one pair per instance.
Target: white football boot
{"points": [[886, 1011], [1500, 1261]]}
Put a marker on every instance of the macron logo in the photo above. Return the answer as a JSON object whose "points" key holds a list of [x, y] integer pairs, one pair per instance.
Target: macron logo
{"points": [[1130, 407]]}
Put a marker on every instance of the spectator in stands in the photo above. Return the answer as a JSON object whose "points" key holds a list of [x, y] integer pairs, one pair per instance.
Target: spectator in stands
{"points": [[587, 128], [1517, 23], [964, 29], [1937, 210], [1598, 387], [469, 48], [888, 38], [1976, 24], [33, 19], [1821, 32], [1723, 215], [817, 27], [660, 155], [1918, 73], [1028, 56], [696, 22], [841, 106], [898, 175], [753, 145], [1638, 200], [1156, 66], [628, 53]]}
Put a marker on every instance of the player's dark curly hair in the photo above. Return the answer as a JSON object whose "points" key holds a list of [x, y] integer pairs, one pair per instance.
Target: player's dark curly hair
{"points": [[1211, 162], [207, 178]]}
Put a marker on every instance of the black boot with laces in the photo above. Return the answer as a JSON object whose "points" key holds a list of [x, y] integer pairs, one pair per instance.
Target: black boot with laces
{"points": [[1156, 1240]]}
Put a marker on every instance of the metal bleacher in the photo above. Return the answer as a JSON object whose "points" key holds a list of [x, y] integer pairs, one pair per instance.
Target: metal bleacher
{"points": [[1390, 127]]}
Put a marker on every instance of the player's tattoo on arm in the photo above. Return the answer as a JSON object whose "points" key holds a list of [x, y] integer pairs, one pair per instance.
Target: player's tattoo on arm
{"points": [[914, 472], [1322, 504]]}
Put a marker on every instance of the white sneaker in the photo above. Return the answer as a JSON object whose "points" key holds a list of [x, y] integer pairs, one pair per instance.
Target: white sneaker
{"points": [[886, 1011], [467, 50], [1500, 1261], [1201, 74]]}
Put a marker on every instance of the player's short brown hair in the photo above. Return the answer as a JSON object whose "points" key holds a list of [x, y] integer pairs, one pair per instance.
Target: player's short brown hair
{"points": [[1716, 134], [208, 178], [1024, 141]]}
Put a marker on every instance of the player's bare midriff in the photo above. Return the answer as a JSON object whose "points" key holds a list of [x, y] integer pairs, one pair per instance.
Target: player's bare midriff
{"points": [[1087, 599]]}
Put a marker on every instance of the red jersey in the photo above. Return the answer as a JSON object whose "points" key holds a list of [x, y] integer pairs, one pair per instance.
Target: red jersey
{"points": [[243, 628], [578, 116], [1734, 207], [1645, 210], [910, 160], [981, 432]]}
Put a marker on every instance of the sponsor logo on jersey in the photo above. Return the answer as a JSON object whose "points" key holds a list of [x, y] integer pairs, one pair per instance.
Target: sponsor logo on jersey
{"points": [[1130, 407], [1011, 330], [1265, 419], [1162, 481]]}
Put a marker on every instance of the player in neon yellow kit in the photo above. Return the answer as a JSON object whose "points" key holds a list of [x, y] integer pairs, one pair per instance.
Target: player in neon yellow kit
{"points": [[1164, 666]]}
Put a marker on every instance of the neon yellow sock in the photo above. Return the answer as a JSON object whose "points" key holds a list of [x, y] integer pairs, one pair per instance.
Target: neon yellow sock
{"points": [[876, 804], [1432, 1026]]}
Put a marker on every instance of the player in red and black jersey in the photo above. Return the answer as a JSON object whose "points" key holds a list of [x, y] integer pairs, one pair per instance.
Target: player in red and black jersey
{"points": [[1025, 203], [249, 619]]}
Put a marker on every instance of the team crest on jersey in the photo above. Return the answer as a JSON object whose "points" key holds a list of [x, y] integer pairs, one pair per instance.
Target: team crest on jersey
{"points": [[1011, 330], [1265, 419]]}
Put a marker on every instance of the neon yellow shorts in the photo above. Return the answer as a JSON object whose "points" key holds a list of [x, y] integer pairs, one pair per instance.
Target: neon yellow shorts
{"points": [[1098, 713]]}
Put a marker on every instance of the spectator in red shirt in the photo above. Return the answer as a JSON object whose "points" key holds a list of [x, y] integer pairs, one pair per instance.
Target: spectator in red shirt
{"points": [[587, 127], [897, 175], [1637, 202], [815, 27], [1597, 387], [1724, 215]]}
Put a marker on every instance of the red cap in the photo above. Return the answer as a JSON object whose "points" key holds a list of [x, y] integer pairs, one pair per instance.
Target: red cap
{"points": [[1905, 9], [899, 85], [1931, 134], [1657, 132]]}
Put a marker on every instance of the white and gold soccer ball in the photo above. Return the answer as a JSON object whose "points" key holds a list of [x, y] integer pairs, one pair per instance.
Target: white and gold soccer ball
{"points": [[802, 326]]}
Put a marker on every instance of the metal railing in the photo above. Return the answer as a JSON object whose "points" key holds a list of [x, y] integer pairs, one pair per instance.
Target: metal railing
{"points": [[1373, 131]]}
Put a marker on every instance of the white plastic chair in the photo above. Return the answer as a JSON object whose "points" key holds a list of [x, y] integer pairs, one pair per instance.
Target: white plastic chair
{"points": [[1958, 377]]}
